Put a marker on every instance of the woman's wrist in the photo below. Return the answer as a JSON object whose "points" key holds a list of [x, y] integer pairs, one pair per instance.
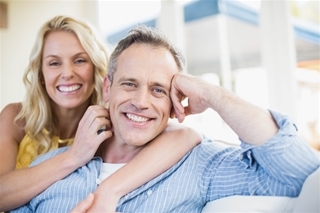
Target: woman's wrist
{"points": [[106, 198]]}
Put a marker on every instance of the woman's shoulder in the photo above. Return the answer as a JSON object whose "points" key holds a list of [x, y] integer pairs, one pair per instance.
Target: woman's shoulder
{"points": [[9, 113], [9, 126], [12, 109]]}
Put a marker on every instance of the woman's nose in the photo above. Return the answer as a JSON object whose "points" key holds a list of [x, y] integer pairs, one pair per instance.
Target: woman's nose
{"points": [[67, 71]]}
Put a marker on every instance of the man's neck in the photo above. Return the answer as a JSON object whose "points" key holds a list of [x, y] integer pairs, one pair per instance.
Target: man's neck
{"points": [[111, 152]]}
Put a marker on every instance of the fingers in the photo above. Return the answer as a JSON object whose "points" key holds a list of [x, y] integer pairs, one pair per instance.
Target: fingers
{"points": [[177, 107], [87, 140], [195, 89], [84, 205], [103, 135], [94, 118], [177, 111]]}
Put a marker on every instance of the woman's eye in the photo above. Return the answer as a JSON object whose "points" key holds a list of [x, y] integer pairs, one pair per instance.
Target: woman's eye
{"points": [[54, 63], [78, 61]]}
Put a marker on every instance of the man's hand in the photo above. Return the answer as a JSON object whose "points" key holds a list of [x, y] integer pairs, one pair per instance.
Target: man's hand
{"points": [[195, 89], [253, 124]]}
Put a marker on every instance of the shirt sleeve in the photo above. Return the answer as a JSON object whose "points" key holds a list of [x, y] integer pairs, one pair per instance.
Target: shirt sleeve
{"points": [[22, 209], [27, 207], [286, 159], [48, 155]]}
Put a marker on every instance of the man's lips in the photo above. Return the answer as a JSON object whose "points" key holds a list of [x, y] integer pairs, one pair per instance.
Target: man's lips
{"points": [[137, 118]]}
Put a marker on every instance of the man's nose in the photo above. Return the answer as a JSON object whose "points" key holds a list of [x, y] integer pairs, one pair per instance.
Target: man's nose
{"points": [[141, 99], [67, 71]]}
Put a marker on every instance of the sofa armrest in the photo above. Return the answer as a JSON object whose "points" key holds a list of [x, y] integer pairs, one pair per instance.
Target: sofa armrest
{"points": [[309, 197]]}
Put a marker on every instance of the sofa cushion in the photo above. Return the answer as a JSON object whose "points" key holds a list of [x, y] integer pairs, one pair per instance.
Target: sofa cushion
{"points": [[251, 204], [309, 197]]}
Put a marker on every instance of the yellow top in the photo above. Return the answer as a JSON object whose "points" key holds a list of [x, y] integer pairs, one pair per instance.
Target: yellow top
{"points": [[28, 149]]}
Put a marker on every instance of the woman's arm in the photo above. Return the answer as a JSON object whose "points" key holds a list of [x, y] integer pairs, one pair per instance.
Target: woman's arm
{"points": [[20, 186], [173, 143]]}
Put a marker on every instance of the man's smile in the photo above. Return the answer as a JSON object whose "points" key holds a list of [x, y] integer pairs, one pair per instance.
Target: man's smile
{"points": [[137, 118]]}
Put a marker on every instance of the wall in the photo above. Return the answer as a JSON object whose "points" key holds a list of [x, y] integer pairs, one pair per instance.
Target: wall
{"points": [[16, 41]]}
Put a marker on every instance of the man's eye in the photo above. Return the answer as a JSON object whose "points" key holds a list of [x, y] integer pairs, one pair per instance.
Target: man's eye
{"points": [[129, 84], [158, 90]]}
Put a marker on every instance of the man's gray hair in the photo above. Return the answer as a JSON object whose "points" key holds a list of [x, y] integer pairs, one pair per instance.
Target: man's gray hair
{"points": [[144, 35]]}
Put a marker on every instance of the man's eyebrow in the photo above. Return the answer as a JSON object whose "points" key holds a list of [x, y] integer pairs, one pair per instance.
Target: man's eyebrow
{"points": [[164, 86], [127, 79], [158, 84]]}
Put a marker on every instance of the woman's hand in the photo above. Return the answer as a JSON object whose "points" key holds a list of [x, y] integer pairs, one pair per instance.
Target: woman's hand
{"points": [[87, 139], [87, 206], [84, 205]]}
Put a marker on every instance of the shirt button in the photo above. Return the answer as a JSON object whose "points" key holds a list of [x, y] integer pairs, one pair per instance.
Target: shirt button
{"points": [[98, 181], [149, 192]]}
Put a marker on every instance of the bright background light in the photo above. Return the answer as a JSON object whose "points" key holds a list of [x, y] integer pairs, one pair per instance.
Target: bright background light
{"points": [[117, 15]]}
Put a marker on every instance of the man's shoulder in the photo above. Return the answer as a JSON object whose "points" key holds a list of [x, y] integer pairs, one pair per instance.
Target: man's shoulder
{"points": [[212, 147]]}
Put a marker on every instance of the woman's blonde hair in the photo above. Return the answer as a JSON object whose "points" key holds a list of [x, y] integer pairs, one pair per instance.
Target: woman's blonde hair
{"points": [[36, 109]]}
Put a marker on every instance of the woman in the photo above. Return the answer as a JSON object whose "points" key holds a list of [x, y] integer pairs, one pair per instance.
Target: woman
{"points": [[63, 79]]}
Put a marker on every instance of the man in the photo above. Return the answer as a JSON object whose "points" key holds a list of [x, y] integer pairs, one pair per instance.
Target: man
{"points": [[144, 84]]}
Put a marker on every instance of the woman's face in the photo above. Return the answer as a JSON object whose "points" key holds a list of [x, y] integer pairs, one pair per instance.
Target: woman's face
{"points": [[67, 70]]}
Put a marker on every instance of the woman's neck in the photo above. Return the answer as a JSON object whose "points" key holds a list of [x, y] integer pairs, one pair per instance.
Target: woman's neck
{"points": [[66, 121]]}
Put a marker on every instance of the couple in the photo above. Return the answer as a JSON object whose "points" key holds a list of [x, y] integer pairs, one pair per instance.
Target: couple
{"points": [[144, 87]]}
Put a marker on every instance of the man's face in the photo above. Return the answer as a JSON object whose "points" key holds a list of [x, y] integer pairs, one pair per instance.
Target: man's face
{"points": [[139, 100]]}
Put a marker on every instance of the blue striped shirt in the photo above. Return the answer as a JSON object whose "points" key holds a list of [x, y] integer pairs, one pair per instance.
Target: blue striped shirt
{"points": [[208, 172]]}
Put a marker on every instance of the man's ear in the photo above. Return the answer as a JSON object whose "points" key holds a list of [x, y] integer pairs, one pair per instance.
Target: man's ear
{"points": [[106, 88]]}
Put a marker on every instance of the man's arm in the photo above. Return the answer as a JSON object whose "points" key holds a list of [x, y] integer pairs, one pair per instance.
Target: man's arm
{"points": [[253, 125], [270, 140]]}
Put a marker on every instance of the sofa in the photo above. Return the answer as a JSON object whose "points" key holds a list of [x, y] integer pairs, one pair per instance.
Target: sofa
{"points": [[307, 201]]}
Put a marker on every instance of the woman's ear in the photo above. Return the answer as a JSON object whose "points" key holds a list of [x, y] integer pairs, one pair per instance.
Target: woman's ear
{"points": [[106, 88]]}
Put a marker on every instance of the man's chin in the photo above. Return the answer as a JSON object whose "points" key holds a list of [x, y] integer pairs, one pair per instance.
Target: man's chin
{"points": [[137, 141]]}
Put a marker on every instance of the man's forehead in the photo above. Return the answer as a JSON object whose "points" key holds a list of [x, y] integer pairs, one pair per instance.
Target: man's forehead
{"points": [[152, 80], [144, 60]]}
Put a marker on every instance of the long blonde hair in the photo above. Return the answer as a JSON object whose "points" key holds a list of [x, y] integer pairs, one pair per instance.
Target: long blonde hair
{"points": [[36, 109]]}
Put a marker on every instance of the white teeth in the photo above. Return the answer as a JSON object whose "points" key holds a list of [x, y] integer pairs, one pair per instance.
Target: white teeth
{"points": [[69, 88], [137, 118]]}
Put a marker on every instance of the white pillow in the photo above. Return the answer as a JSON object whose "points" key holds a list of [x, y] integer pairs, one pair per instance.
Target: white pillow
{"points": [[251, 204], [309, 197]]}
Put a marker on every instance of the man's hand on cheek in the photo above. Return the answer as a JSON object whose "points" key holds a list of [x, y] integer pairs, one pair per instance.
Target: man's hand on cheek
{"points": [[198, 92], [177, 110]]}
